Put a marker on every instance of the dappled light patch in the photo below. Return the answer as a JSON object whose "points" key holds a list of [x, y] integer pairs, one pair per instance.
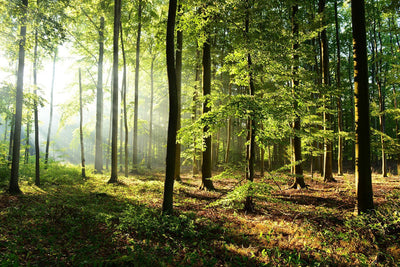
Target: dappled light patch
{"points": [[121, 224]]}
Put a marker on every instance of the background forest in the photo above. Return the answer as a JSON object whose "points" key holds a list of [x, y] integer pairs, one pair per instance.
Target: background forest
{"points": [[241, 103]]}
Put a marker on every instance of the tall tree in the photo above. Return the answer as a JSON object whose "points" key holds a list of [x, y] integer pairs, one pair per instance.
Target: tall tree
{"points": [[83, 167], [14, 186], [361, 110], [35, 109], [98, 162], [124, 105], [178, 69], [173, 116], [251, 127], [339, 98], [135, 118], [296, 143], [328, 176], [150, 151], [206, 182], [114, 134], [46, 158]]}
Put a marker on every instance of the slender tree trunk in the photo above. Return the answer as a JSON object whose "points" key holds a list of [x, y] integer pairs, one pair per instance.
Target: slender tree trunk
{"points": [[27, 139], [11, 142], [150, 156], [124, 105], [298, 169], [167, 206], [195, 168], [135, 118], [14, 186], [339, 100], [207, 183], [81, 126], [114, 134], [35, 111], [228, 129], [251, 123], [361, 103], [381, 96], [99, 103], [178, 69], [46, 159], [328, 175]]}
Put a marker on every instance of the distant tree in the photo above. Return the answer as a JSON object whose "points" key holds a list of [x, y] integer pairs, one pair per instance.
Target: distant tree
{"points": [[339, 98], [14, 186], [135, 118], [114, 134], [361, 103], [298, 170], [206, 182], [83, 168], [98, 162], [46, 157], [173, 110]]}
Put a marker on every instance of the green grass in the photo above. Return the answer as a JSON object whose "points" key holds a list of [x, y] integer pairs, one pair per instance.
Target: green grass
{"points": [[75, 221]]}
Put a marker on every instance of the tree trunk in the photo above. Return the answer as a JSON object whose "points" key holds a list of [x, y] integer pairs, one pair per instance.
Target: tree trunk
{"points": [[135, 118], [178, 69], [14, 186], [124, 105], [298, 170], [339, 100], [27, 138], [46, 159], [328, 175], [35, 111], [150, 156], [81, 126], [195, 168], [207, 183], [114, 134], [361, 103], [173, 110], [228, 130], [99, 103]]}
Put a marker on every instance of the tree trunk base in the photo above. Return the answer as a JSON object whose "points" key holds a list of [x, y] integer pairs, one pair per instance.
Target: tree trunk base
{"points": [[207, 186], [178, 179], [249, 205], [329, 180]]}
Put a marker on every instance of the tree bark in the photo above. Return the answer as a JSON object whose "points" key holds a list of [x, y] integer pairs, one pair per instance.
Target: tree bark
{"points": [[35, 110], [124, 106], [114, 134], [99, 103], [361, 109], [328, 175], [339, 99], [195, 168], [298, 169], [46, 159], [81, 127], [135, 118], [206, 182], [14, 186], [167, 206], [150, 153], [178, 69]]}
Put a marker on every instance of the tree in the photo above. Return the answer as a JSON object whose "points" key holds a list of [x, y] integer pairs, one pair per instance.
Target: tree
{"points": [[167, 206], [178, 69], [206, 182], [135, 118], [83, 168], [328, 176], [124, 104], [114, 134], [14, 186], [339, 98], [98, 165], [46, 157], [298, 170], [361, 109]]}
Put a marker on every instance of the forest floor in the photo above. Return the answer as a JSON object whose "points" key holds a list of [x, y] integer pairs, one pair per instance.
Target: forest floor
{"points": [[75, 221]]}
